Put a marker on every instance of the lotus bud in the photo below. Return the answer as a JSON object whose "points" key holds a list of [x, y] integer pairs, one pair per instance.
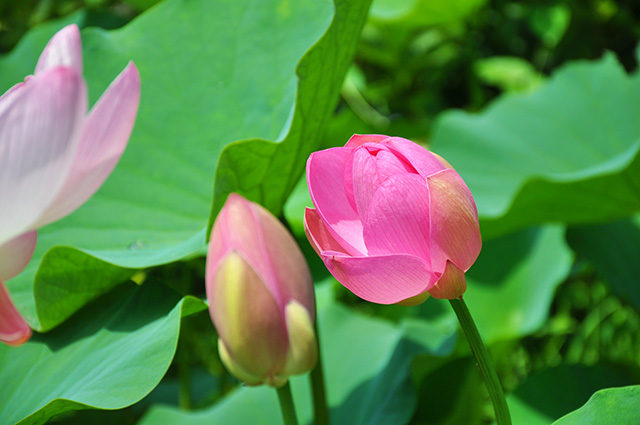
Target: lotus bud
{"points": [[260, 295]]}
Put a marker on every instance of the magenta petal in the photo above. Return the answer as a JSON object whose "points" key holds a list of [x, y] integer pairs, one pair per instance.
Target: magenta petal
{"points": [[368, 168], [40, 123], [64, 48], [420, 158], [455, 230], [361, 180], [325, 178], [13, 329], [16, 254], [359, 139], [384, 279], [318, 234], [398, 218], [104, 137], [390, 164]]}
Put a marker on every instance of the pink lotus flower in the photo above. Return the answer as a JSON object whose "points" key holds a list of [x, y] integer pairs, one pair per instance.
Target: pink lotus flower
{"points": [[53, 154], [393, 222], [260, 294]]}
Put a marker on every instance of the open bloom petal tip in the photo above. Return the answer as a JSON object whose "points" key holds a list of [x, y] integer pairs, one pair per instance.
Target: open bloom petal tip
{"points": [[104, 137], [64, 49]]}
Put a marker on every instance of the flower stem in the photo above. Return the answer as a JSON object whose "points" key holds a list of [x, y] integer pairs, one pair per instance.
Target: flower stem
{"points": [[320, 410], [184, 376], [286, 405], [484, 362]]}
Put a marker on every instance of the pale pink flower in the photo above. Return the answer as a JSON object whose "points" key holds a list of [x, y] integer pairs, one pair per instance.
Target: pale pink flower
{"points": [[53, 154], [393, 222]]}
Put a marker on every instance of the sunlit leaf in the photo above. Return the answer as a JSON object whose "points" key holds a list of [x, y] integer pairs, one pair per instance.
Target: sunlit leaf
{"points": [[267, 172], [366, 362], [546, 396], [212, 73], [110, 356], [565, 153], [613, 406], [423, 12], [508, 73], [511, 286]]}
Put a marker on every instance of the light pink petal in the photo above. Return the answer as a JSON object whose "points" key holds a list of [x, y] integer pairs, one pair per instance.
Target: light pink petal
{"points": [[246, 315], [325, 178], [383, 279], [13, 329], [40, 124], [359, 139], [64, 48], [6, 100], [240, 227], [455, 231], [104, 138], [398, 218], [16, 254], [237, 229], [420, 158], [288, 266], [451, 285], [318, 234]]}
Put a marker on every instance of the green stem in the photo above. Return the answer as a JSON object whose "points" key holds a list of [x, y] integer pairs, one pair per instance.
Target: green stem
{"points": [[286, 405], [184, 394], [320, 410], [484, 362], [184, 376]]}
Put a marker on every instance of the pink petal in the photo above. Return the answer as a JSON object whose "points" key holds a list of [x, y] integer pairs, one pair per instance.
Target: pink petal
{"points": [[16, 254], [369, 167], [325, 178], [104, 138], [384, 279], [288, 266], [6, 100], [361, 181], [319, 236], [64, 48], [455, 231], [420, 158], [13, 329], [359, 139], [40, 123], [398, 218], [246, 315], [237, 229], [451, 285]]}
